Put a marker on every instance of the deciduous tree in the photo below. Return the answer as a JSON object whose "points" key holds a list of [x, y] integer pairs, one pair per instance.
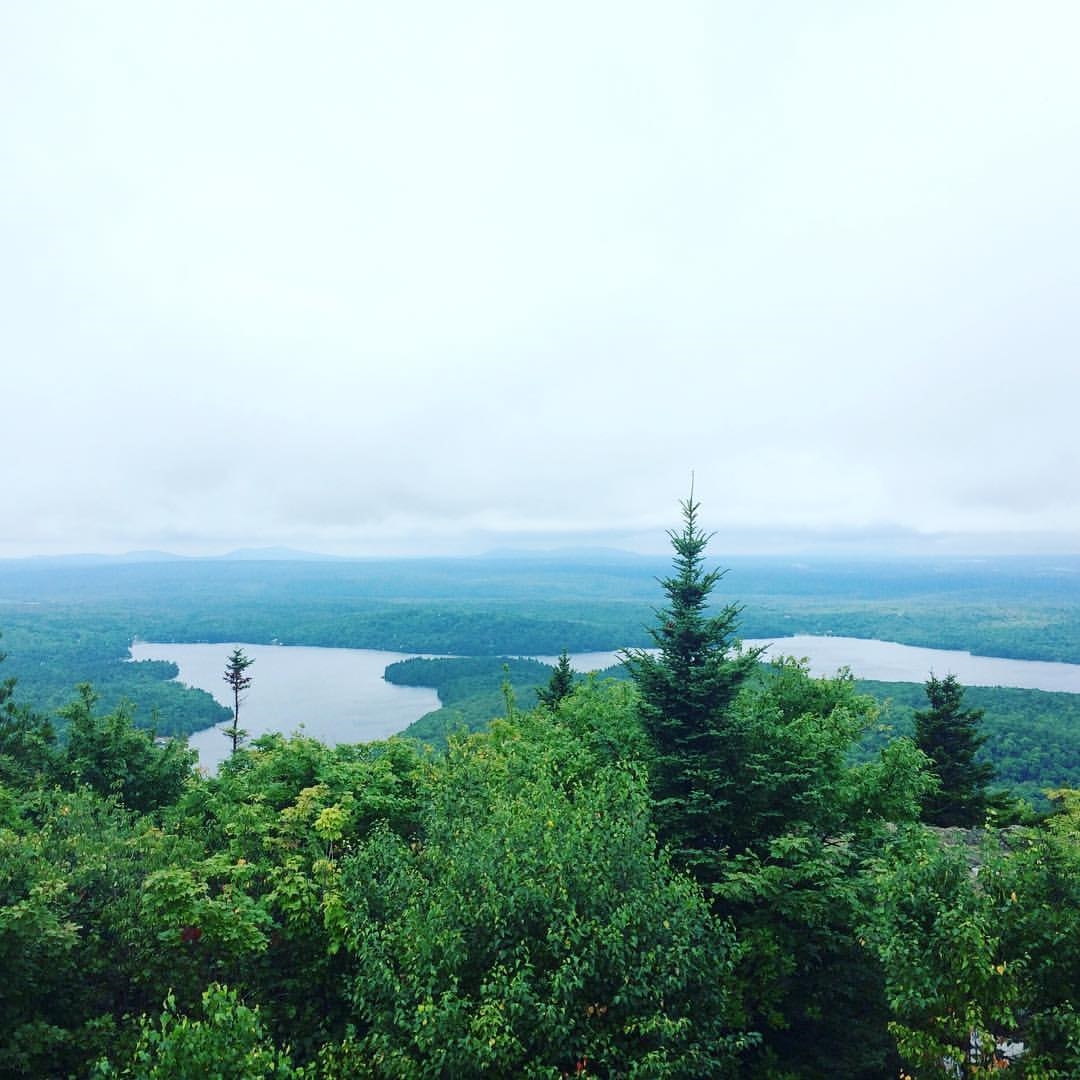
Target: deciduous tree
{"points": [[111, 755], [532, 929]]}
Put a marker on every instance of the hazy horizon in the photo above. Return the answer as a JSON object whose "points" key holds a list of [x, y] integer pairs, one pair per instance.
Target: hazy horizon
{"points": [[954, 547]]}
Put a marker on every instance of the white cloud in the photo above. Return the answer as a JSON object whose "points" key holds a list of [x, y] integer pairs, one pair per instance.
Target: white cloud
{"points": [[362, 277]]}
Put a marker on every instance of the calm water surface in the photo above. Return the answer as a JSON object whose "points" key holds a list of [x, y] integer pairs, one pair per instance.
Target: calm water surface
{"points": [[339, 695], [885, 661], [333, 695]]}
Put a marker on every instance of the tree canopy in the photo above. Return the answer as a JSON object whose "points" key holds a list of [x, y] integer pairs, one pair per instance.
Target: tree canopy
{"points": [[239, 680], [687, 874], [687, 691], [949, 735]]}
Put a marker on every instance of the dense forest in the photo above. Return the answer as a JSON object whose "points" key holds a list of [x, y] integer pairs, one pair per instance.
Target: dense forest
{"points": [[1032, 736], [708, 867], [66, 622]]}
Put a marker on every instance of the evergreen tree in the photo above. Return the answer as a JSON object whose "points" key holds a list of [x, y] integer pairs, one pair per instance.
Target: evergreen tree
{"points": [[687, 692], [949, 735], [238, 679], [560, 684]]}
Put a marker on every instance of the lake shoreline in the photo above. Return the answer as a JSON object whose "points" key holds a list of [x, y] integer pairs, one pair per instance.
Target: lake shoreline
{"points": [[339, 695]]}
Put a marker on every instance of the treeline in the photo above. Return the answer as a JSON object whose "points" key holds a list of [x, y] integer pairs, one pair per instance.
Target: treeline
{"points": [[503, 909], [1032, 736], [684, 874], [52, 654], [363, 911], [474, 689], [54, 643], [68, 624]]}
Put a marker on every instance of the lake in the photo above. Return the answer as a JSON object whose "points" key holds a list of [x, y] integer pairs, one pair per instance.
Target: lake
{"points": [[885, 661], [339, 695], [333, 695]]}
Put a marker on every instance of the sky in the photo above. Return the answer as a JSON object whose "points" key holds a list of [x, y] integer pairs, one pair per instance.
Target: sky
{"points": [[440, 278]]}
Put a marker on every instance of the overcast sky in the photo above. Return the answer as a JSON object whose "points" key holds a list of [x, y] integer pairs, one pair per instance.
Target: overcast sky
{"points": [[373, 278]]}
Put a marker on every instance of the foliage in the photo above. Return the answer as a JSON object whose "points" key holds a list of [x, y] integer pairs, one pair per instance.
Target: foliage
{"points": [[980, 940], [559, 685], [283, 812], [604, 718], [238, 679], [76, 948], [470, 688], [1033, 736], [686, 693], [533, 931], [948, 970], [796, 876], [1034, 888], [503, 908], [229, 1041], [27, 739], [112, 756], [753, 789], [948, 734], [796, 770]]}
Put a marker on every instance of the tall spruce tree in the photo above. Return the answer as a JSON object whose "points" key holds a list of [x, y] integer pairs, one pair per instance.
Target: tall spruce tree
{"points": [[686, 693], [559, 685], [238, 679], [949, 736]]}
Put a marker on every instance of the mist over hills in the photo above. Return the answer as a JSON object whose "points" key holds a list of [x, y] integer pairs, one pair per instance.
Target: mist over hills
{"points": [[260, 554]]}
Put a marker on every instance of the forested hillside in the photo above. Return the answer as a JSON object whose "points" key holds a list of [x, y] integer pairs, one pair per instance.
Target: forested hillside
{"points": [[68, 623], [51, 654], [689, 873], [1032, 736]]}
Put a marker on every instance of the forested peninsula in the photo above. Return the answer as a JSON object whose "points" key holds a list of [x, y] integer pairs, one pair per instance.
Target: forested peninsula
{"points": [[71, 621], [707, 867]]}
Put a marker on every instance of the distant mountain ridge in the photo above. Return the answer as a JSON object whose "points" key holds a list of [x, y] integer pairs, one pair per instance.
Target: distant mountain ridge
{"points": [[277, 554], [578, 553], [96, 559], [267, 554], [287, 554]]}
